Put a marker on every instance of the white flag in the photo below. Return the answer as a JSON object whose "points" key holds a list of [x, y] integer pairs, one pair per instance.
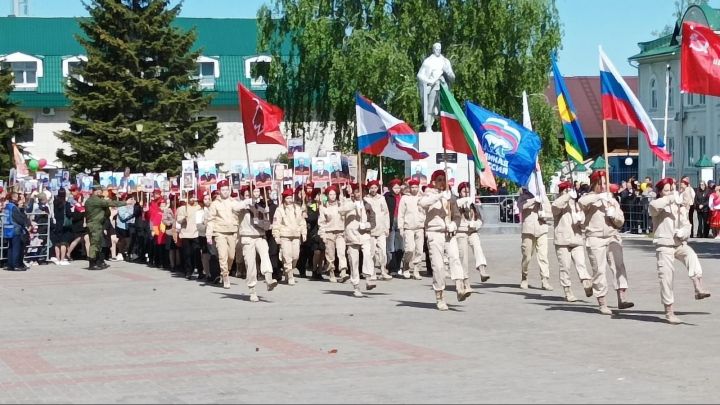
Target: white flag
{"points": [[535, 184]]}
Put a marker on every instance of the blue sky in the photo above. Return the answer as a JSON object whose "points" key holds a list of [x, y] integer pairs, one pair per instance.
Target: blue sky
{"points": [[617, 25]]}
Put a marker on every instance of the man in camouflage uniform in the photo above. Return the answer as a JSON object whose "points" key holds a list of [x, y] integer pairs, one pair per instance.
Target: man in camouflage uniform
{"points": [[97, 209]]}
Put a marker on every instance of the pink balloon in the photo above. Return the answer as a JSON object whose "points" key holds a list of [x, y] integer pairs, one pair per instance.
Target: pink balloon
{"points": [[42, 163]]}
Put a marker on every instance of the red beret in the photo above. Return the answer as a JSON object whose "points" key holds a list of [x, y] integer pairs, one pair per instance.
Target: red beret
{"points": [[564, 186], [685, 182], [661, 184], [373, 183], [222, 183], [597, 175], [436, 174], [123, 196], [354, 186], [463, 185], [73, 188], [332, 188], [288, 192], [614, 188], [395, 182], [413, 182]]}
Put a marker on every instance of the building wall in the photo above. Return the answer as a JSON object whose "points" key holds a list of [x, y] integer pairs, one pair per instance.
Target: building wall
{"points": [[230, 146], [688, 124]]}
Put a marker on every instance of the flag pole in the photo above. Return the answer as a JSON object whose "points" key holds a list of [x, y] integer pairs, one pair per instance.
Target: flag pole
{"points": [[380, 175], [360, 175], [667, 112], [605, 153]]}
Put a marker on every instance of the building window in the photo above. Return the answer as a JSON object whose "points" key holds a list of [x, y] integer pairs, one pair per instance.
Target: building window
{"points": [[257, 69], [690, 149], [690, 99], [670, 91], [671, 150], [25, 69], [653, 94], [701, 145], [701, 99], [71, 65], [208, 70]]}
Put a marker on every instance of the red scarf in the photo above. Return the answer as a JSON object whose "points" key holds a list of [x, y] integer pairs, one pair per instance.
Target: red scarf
{"points": [[397, 204]]}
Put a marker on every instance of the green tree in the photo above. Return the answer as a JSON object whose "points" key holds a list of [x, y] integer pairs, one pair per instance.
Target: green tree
{"points": [[546, 123], [323, 52], [139, 71], [680, 7], [9, 110]]}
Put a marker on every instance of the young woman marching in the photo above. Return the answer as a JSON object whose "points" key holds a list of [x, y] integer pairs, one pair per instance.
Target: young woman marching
{"points": [[357, 236], [332, 230], [672, 230], [468, 236], [289, 230]]}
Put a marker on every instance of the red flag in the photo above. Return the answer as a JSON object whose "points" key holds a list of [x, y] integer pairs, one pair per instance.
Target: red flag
{"points": [[261, 120], [699, 60]]}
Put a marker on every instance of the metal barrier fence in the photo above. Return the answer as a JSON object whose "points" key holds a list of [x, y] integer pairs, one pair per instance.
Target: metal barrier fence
{"points": [[39, 247], [502, 211]]}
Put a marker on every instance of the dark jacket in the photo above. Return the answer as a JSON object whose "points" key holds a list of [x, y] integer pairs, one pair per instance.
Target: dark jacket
{"points": [[702, 198]]}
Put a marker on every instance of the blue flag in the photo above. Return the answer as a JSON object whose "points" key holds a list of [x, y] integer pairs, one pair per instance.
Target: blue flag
{"points": [[511, 149]]}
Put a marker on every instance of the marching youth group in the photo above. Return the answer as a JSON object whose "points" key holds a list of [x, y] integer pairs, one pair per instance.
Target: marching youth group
{"points": [[349, 233]]}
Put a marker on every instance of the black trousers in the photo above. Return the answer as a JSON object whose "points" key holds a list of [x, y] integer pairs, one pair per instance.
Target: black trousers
{"points": [[703, 229], [691, 217], [190, 250]]}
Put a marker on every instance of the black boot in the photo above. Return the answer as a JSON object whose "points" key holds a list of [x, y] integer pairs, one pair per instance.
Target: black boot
{"points": [[93, 264], [101, 264]]}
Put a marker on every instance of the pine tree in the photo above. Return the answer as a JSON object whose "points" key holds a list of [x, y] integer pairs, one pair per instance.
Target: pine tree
{"points": [[9, 109], [139, 70]]}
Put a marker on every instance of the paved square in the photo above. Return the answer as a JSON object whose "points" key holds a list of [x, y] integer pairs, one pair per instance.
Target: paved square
{"points": [[132, 334]]}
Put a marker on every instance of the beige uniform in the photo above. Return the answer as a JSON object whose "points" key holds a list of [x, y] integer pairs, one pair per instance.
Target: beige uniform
{"points": [[289, 228], [380, 230], [222, 226], [468, 236], [332, 231], [252, 240], [535, 215], [569, 238], [411, 223], [357, 236], [442, 219], [603, 218], [672, 229]]}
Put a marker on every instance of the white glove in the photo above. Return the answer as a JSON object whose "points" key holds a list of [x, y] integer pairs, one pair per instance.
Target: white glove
{"points": [[446, 194], [451, 227], [573, 194], [578, 217], [610, 212], [678, 198], [541, 214], [364, 226], [359, 205], [477, 225], [681, 234]]}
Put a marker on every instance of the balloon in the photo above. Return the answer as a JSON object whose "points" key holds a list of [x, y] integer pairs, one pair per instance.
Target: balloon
{"points": [[33, 165], [42, 163]]}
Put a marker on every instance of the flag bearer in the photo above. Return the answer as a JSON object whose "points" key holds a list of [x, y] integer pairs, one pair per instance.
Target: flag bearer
{"points": [[603, 219], [381, 230], [442, 219], [359, 219], [569, 239]]}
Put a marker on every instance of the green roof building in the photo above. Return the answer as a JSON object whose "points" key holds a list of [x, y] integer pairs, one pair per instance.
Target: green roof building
{"points": [[42, 51], [693, 122]]}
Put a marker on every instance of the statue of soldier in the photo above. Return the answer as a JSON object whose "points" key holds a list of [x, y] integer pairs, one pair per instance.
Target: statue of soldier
{"points": [[435, 69]]}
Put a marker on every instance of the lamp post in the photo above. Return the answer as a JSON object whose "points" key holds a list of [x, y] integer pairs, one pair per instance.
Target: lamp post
{"points": [[716, 161], [139, 127], [10, 123]]}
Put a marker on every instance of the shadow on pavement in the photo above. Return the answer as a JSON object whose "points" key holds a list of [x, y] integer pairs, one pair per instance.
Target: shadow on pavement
{"points": [[243, 297], [425, 305], [349, 293], [533, 296], [496, 285]]}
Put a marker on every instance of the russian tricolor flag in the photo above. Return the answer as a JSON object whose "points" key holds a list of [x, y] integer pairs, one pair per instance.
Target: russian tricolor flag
{"points": [[619, 103], [381, 134]]}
